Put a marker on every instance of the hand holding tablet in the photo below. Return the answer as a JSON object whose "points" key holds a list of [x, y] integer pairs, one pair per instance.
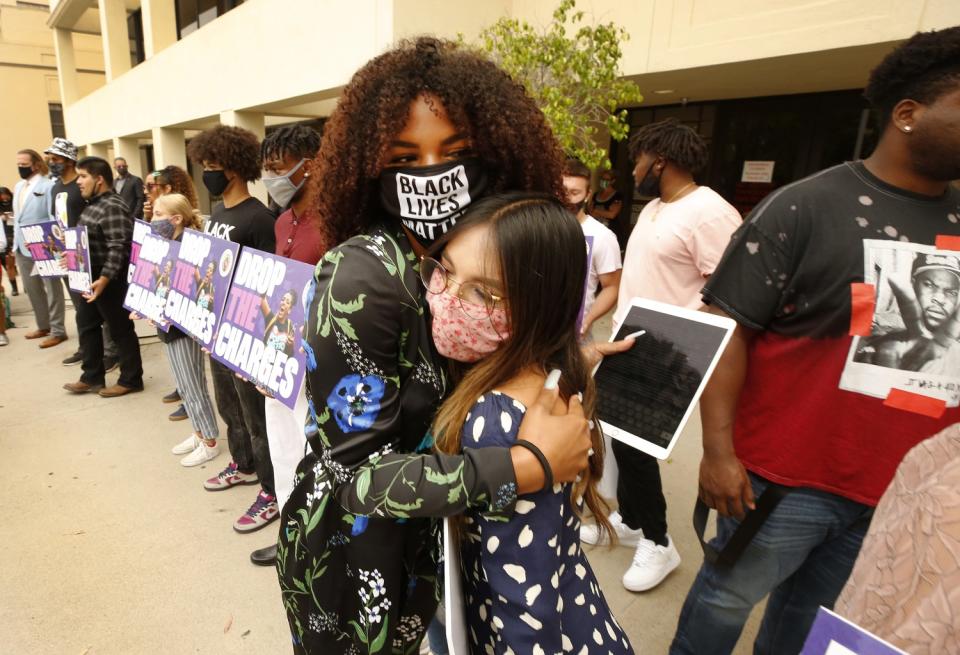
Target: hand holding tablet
{"points": [[647, 393]]}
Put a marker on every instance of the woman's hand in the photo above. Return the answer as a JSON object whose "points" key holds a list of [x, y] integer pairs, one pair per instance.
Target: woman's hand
{"points": [[561, 431], [594, 352]]}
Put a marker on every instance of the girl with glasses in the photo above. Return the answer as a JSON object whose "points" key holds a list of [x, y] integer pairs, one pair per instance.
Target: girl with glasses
{"points": [[504, 295]]}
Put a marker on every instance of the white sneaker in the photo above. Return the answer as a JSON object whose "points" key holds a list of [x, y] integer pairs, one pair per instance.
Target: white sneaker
{"points": [[188, 445], [651, 564], [202, 454], [590, 534]]}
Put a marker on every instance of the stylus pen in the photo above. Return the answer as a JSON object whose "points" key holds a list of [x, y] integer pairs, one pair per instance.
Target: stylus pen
{"points": [[634, 335]]}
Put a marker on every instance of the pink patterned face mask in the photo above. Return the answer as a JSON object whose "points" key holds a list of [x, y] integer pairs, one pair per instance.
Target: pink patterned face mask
{"points": [[461, 337]]}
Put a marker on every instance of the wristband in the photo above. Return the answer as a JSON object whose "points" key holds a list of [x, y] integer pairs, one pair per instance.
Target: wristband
{"points": [[547, 471]]}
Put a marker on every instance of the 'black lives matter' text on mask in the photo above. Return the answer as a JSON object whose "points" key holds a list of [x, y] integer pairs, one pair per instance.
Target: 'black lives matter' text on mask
{"points": [[428, 200]]}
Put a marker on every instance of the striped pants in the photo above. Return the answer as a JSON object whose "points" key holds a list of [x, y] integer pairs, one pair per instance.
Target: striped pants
{"points": [[188, 363]]}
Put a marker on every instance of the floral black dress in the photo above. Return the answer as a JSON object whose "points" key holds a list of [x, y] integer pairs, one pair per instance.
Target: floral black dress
{"points": [[365, 580]]}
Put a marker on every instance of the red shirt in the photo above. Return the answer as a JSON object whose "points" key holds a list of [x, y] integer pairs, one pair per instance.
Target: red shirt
{"points": [[811, 412], [300, 237]]}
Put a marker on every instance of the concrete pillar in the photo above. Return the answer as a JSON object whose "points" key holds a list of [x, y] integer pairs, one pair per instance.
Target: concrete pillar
{"points": [[254, 122], [129, 149], [169, 147], [98, 150], [66, 66], [159, 25], [115, 38]]}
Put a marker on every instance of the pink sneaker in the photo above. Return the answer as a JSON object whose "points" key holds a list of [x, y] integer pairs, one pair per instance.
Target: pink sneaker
{"points": [[263, 511], [230, 477]]}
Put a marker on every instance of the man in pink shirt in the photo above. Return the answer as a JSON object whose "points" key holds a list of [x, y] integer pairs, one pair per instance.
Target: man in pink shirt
{"points": [[678, 240]]}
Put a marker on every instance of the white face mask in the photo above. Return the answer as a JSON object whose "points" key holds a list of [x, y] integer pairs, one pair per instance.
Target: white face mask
{"points": [[280, 188]]}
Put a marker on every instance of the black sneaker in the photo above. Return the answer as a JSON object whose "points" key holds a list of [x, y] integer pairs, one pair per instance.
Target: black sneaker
{"points": [[73, 359], [110, 363], [179, 415], [172, 397]]}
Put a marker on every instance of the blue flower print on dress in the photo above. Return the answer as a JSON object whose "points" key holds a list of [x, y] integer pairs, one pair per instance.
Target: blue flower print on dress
{"points": [[359, 525], [310, 356], [355, 402]]}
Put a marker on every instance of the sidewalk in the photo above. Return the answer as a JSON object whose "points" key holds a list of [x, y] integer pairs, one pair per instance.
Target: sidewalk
{"points": [[113, 548]]}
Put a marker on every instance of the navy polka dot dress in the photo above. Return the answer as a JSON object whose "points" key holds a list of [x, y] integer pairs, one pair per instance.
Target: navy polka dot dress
{"points": [[529, 588]]}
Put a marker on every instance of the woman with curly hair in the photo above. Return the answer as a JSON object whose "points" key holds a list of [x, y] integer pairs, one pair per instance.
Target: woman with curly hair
{"points": [[420, 133], [170, 179]]}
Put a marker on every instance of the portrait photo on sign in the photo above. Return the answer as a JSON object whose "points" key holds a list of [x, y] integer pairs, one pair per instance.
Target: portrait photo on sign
{"points": [[913, 343]]}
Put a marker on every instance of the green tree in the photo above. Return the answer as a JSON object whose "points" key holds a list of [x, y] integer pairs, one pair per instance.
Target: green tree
{"points": [[575, 79]]}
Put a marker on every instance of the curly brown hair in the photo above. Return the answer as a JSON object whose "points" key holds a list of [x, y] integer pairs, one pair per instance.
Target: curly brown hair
{"points": [[509, 133], [178, 180], [233, 148]]}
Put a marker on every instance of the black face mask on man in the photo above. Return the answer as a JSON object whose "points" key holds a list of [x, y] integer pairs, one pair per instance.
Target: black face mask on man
{"points": [[649, 186], [428, 200], [25, 172], [56, 169], [575, 207], [216, 182]]}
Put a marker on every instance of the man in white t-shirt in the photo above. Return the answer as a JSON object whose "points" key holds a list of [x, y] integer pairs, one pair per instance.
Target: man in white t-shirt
{"points": [[679, 237], [604, 271]]}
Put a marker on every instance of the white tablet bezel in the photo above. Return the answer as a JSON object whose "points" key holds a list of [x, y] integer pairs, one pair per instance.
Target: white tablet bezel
{"points": [[726, 324]]}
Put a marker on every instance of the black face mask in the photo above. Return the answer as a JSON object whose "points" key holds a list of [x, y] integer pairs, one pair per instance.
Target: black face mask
{"points": [[6, 205], [428, 200], [575, 207], [649, 186], [26, 172], [56, 170], [216, 182]]}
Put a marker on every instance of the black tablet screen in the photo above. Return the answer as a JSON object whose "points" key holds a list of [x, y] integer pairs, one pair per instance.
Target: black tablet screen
{"points": [[647, 390]]}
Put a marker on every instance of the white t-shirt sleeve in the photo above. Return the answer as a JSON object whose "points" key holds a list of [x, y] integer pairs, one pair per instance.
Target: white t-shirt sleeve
{"points": [[606, 252]]}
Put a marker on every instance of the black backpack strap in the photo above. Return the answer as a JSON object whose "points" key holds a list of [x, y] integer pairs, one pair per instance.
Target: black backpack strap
{"points": [[744, 533]]}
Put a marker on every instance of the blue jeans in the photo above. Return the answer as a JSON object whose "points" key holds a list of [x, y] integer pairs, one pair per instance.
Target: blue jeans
{"points": [[802, 557]]}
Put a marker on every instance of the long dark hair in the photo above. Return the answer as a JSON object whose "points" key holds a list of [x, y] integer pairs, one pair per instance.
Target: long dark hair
{"points": [[542, 256], [509, 132]]}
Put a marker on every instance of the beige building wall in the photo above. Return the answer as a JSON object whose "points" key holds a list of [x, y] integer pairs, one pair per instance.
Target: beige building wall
{"points": [[678, 49], [29, 82]]}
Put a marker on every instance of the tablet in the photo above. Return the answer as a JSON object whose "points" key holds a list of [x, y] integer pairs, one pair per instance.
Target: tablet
{"points": [[646, 395]]}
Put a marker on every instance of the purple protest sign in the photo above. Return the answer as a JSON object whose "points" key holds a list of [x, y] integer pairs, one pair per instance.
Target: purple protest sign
{"points": [[76, 257], [147, 292], [140, 229], [201, 280], [45, 243], [260, 332], [831, 634]]}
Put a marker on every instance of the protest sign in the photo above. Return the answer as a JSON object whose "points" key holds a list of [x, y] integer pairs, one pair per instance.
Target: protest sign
{"points": [[76, 257], [260, 331], [45, 243], [147, 292], [140, 229], [831, 634], [201, 280]]}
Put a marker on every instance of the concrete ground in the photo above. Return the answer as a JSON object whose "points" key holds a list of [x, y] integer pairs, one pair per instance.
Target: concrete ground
{"points": [[113, 548]]}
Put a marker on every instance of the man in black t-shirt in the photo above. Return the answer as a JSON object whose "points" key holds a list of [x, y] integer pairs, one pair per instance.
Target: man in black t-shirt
{"points": [[230, 157], [66, 205], [819, 272]]}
